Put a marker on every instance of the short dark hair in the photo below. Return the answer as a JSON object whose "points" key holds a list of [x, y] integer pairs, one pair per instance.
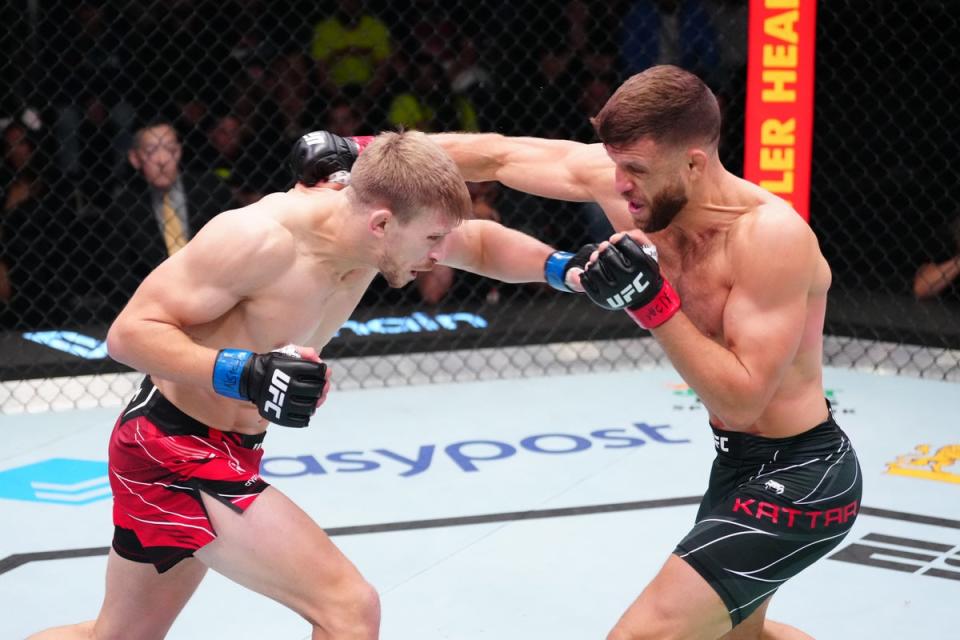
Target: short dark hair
{"points": [[664, 103]]}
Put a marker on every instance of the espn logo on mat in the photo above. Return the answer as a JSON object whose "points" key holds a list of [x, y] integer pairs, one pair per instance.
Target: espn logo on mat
{"points": [[937, 559], [58, 480]]}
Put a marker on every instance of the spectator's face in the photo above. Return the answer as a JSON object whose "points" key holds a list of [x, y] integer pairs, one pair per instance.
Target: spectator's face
{"points": [[225, 136], [157, 156], [17, 148]]}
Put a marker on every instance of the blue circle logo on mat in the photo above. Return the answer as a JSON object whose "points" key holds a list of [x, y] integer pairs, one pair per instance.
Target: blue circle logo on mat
{"points": [[59, 480]]}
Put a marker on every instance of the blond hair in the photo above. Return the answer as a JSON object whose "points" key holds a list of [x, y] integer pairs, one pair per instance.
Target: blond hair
{"points": [[410, 174], [663, 103]]}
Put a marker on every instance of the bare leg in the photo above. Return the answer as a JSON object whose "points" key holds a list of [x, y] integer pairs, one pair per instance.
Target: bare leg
{"points": [[276, 549], [677, 603], [779, 631], [757, 627], [81, 631], [139, 602]]}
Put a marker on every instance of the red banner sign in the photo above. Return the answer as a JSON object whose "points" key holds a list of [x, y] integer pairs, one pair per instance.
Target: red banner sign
{"points": [[779, 126]]}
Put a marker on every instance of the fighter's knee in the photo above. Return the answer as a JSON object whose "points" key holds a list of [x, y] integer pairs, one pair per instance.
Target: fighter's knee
{"points": [[618, 633], [648, 623], [355, 615], [81, 631], [367, 610]]}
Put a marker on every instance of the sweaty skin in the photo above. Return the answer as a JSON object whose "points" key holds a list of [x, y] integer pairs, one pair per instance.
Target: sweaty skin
{"points": [[748, 269], [288, 269]]}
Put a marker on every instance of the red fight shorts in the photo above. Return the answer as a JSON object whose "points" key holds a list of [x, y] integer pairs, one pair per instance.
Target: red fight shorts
{"points": [[160, 461]]}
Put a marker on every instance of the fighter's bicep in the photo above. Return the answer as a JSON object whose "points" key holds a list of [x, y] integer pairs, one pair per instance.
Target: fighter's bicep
{"points": [[558, 169], [767, 309], [764, 335], [175, 294]]}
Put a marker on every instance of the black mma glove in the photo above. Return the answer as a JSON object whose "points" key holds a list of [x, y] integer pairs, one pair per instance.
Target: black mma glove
{"points": [[285, 388], [626, 276], [560, 262], [318, 155]]}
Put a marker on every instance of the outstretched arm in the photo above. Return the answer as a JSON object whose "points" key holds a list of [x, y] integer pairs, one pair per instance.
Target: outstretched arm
{"points": [[490, 249], [558, 169]]}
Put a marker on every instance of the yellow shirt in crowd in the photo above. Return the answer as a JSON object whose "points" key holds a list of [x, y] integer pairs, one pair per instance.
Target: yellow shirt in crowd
{"points": [[351, 54]]}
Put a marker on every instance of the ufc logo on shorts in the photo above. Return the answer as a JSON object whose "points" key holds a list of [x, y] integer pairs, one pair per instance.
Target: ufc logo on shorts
{"points": [[720, 442], [626, 294], [278, 388]]}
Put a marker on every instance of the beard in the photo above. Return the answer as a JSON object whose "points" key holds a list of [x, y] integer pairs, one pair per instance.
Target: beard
{"points": [[664, 207]]}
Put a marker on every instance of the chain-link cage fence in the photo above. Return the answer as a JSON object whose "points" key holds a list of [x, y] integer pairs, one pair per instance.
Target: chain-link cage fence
{"points": [[128, 124]]}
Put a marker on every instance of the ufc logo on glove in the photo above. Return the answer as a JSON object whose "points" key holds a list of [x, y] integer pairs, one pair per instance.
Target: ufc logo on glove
{"points": [[278, 387], [284, 387], [625, 297], [626, 276]]}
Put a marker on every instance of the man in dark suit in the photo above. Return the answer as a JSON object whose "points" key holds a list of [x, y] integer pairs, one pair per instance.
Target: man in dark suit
{"points": [[163, 207]]}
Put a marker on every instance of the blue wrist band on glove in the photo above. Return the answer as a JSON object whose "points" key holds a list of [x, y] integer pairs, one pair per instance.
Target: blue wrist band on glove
{"points": [[227, 372], [554, 267]]}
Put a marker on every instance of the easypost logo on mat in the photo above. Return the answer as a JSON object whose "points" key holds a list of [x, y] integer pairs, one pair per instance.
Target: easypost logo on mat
{"points": [[59, 480], [467, 455]]}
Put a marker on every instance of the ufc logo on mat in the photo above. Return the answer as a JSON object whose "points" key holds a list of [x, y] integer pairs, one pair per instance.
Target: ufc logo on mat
{"points": [[278, 388], [626, 294]]}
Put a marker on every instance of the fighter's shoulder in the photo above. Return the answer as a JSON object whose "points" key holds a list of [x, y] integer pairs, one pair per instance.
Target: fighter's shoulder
{"points": [[774, 240], [253, 229], [774, 224]]}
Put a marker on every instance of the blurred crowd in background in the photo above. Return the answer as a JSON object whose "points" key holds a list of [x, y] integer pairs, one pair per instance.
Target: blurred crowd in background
{"points": [[128, 124]]}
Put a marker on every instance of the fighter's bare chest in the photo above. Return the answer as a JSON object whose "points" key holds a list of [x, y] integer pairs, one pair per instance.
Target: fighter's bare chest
{"points": [[305, 308], [703, 281]]}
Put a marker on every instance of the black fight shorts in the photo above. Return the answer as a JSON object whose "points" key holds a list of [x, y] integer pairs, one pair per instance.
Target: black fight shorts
{"points": [[773, 507]]}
